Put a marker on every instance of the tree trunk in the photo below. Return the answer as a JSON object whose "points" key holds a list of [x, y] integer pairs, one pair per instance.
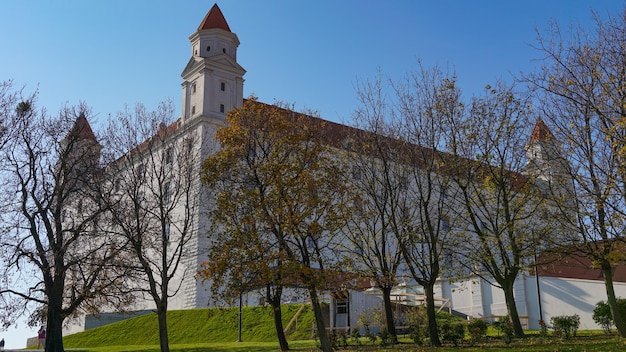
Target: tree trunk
{"points": [[389, 319], [509, 296], [620, 325], [319, 321], [278, 324], [433, 331], [163, 337], [54, 329]]}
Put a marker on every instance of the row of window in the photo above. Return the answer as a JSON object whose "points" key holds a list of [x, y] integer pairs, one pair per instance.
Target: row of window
{"points": [[194, 87], [222, 106], [222, 109]]}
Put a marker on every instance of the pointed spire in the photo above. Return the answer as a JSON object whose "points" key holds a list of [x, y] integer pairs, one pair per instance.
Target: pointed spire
{"points": [[541, 132], [214, 19], [82, 129]]}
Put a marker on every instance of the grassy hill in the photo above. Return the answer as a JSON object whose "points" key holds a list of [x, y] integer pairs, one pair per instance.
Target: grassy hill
{"points": [[197, 326]]}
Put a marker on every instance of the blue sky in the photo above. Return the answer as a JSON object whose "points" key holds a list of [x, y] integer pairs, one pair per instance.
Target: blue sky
{"points": [[308, 53]]}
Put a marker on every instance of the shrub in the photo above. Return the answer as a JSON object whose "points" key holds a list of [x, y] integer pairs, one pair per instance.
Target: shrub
{"points": [[565, 326], [338, 339], [543, 329], [505, 327], [453, 333], [385, 337], [602, 314], [356, 336], [415, 333], [477, 329]]}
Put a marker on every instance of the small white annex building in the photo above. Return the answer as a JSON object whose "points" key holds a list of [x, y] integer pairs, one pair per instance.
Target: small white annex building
{"points": [[567, 287]]}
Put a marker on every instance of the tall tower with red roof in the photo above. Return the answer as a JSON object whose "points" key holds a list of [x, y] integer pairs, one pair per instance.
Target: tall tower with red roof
{"points": [[212, 80], [80, 150], [547, 165]]}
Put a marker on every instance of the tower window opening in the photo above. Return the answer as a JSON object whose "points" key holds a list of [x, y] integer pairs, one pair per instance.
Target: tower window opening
{"points": [[224, 50], [208, 48], [222, 86], [193, 109], [193, 88], [222, 109]]}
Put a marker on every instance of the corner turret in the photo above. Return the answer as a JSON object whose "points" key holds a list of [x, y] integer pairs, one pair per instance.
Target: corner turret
{"points": [[547, 165], [80, 150]]}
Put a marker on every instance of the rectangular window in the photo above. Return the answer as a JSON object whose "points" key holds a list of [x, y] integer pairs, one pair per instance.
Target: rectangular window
{"points": [[193, 109], [167, 232], [356, 173], [222, 86], [193, 88], [168, 155], [141, 172], [445, 225], [342, 307], [222, 109], [403, 183], [167, 193]]}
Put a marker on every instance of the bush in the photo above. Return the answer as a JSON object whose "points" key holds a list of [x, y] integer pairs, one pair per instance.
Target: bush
{"points": [[477, 329], [505, 327], [454, 333], [385, 337], [565, 326], [416, 318], [356, 336], [415, 333], [602, 314]]}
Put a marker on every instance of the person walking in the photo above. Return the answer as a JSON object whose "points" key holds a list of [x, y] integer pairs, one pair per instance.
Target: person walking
{"points": [[41, 338], [2, 344]]}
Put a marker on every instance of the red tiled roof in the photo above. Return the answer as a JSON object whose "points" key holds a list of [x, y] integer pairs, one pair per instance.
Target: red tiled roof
{"points": [[541, 132], [576, 265], [214, 19], [336, 134], [82, 129]]}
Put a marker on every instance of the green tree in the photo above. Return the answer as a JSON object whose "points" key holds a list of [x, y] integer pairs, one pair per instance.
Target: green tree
{"points": [[279, 166], [581, 88]]}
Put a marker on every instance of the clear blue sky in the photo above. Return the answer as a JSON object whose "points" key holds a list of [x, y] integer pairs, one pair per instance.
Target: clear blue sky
{"points": [[310, 53]]}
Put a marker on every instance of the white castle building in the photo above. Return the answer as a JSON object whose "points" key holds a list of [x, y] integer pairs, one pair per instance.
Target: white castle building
{"points": [[212, 85]]}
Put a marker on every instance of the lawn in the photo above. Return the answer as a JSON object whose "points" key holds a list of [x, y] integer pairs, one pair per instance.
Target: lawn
{"points": [[217, 329]]}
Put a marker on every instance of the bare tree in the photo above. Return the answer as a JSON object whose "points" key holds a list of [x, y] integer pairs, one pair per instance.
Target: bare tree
{"points": [[498, 206], [55, 253], [581, 87], [153, 170], [380, 182], [428, 101]]}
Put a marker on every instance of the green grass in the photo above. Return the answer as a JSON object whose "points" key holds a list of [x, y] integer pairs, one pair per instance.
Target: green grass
{"points": [[203, 330], [195, 326]]}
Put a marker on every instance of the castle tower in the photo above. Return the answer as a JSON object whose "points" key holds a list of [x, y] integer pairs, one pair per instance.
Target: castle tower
{"points": [[212, 80], [547, 165], [80, 150]]}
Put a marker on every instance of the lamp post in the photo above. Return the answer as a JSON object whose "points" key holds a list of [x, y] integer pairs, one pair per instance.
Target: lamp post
{"points": [[240, 311]]}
